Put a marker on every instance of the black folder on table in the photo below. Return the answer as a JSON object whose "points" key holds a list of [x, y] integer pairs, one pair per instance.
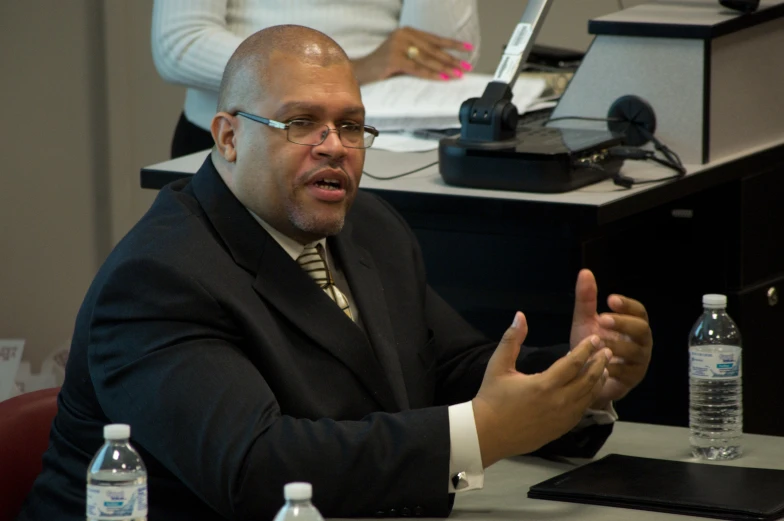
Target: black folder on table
{"points": [[696, 489]]}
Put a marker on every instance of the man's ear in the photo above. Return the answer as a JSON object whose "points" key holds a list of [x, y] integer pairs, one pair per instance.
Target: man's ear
{"points": [[224, 134]]}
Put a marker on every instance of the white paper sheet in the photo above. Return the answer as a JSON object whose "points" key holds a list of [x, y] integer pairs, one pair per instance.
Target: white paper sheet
{"points": [[406, 102], [10, 356], [403, 142]]}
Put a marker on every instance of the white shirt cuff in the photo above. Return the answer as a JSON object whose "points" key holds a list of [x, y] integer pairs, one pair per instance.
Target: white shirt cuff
{"points": [[598, 417], [465, 459]]}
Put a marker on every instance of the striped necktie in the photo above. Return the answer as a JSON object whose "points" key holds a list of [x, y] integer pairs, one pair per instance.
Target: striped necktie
{"points": [[312, 261]]}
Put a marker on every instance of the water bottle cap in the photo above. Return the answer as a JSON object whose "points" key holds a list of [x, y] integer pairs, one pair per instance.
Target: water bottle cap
{"points": [[297, 491], [714, 301], [117, 431]]}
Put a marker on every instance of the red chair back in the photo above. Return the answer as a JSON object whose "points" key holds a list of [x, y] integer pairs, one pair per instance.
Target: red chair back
{"points": [[25, 421]]}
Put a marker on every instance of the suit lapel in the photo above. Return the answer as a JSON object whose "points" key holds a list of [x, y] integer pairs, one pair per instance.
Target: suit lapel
{"points": [[368, 292], [281, 282]]}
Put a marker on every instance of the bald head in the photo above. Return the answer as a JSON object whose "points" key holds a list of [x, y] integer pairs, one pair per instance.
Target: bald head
{"points": [[303, 184], [245, 77]]}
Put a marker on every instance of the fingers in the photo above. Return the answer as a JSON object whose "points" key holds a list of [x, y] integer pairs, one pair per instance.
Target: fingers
{"points": [[431, 60], [587, 391], [505, 356], [631, 341], [586, 387], [585, 296], [632, 327], [444, 43], [569, 367], [630, 361], [420, 70], [623, 376], [581, 373], [439, 61], [627, 306]]}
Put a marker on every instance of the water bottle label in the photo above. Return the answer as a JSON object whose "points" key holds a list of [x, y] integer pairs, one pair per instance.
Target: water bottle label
{"points": [[117, 503], [721, 362]]}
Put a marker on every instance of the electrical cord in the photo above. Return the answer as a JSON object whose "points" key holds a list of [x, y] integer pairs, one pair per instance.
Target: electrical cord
{"points": [[581, 118], [620, 5], [671, 159], [398, 176], [638, 154], [671, 156]]}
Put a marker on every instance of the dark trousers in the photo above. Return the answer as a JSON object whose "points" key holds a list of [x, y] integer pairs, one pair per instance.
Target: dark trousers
{"points": [[188, 138]]}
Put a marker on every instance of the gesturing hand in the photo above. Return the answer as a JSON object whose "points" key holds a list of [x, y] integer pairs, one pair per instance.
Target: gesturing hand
{"points": [[625, 331], [516, 413], [414, 52]]}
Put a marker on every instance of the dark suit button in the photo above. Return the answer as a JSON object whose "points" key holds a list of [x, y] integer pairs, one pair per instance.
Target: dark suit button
{"points": [[381, 513], [392, 512], [419, 511], [405, 512]]}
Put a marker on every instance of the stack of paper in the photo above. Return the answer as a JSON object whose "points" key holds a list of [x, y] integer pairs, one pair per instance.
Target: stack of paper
{"points": [[406, 102]]}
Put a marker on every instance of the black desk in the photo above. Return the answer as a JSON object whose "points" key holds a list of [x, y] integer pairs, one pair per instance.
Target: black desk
{"points": [[718, 230]]}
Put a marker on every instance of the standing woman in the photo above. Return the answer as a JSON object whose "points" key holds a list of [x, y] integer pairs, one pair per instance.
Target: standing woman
{"points": [[193, 39]]}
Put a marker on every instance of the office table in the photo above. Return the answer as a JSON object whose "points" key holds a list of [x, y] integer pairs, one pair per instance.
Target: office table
{"points": [[717, 230], [507, 482]]}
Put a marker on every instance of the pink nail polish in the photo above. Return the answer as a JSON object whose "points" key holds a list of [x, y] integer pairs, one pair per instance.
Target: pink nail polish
{"points": [[468, 46], [444, 76], [465, 65], [457, 72]]}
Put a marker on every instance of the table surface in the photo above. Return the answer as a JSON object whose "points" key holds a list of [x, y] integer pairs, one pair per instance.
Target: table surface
{"points": [[504, 495], [608, 201], [692, 12]]}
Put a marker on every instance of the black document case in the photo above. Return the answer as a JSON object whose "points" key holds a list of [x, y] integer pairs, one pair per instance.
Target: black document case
{"points": [[676, 487]]}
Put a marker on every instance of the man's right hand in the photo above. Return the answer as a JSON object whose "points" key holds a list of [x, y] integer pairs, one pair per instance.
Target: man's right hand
{"points": [[517, 413]]}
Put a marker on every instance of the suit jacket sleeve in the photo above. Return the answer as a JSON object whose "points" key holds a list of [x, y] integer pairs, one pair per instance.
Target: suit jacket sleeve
{"points": [[201, 409], [460, 374], [461, 354]]}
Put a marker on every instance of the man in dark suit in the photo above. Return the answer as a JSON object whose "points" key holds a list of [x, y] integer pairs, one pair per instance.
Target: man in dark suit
{"points": [[266, 322]]}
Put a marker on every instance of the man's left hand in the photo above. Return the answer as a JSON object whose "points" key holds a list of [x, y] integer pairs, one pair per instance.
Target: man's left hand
{"points": [[625, 331]]}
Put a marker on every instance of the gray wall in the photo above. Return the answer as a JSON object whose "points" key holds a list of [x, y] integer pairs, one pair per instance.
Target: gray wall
{"points": [[83, 110]]}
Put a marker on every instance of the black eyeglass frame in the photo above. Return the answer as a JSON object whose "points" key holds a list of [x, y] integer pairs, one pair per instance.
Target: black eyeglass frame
{"points": [[372, 131]]}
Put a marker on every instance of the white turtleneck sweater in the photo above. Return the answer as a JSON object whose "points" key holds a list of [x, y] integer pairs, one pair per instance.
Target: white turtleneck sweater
{"points": [[192, 40]]}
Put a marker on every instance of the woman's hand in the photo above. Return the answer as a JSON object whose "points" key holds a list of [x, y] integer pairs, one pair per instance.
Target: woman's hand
{"points": [[414, 52]]}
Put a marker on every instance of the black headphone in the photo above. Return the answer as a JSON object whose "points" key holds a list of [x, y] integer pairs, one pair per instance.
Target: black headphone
{"points": [[634, 118], [744, 6]]}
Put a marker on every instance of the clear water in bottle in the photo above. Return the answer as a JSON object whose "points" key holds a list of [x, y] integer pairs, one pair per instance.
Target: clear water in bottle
{"points": [[117, 479], [298, 506], [715, 385]]}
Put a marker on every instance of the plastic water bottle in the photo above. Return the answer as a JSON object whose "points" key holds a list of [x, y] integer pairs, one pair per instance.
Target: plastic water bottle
{"points": [[117, 479], [715, 390], [298, 506]]}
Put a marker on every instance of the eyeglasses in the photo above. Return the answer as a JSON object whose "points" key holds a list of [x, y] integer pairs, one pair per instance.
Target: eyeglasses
{"points": [[310, 133]]}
